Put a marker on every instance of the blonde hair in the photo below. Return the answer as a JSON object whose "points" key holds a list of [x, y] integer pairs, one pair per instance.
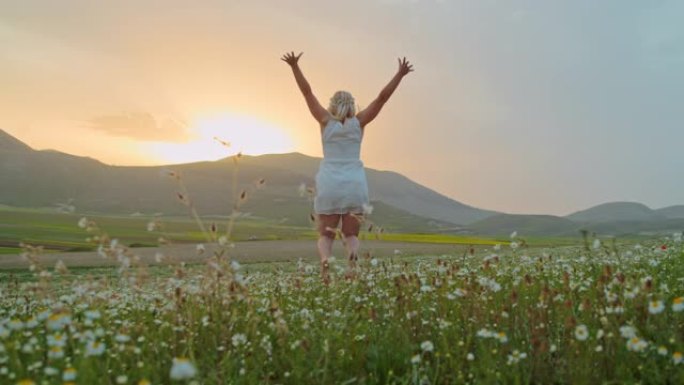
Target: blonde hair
{"points": [[342, 106]]}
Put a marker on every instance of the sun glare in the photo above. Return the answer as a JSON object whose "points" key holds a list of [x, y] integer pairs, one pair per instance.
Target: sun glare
{"points": [[243, 133]]}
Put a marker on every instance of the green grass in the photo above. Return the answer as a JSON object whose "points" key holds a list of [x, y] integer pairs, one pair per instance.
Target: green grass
{"points": [[467, 319], [10, 250], [60, 232], [442, 238], [57, 231]]}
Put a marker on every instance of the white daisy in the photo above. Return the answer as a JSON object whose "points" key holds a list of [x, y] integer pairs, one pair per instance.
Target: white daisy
{"points": [[636, 344], [95, 348], [677, 358], [182, 369], [656, 307], [69, 374]]}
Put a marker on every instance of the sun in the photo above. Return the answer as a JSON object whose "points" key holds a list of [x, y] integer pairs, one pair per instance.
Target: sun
{"points": [[245, 134]]}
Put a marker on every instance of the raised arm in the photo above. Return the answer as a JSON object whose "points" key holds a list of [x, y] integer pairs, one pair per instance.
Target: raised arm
{"points": [[319, 113], [369, 113]]}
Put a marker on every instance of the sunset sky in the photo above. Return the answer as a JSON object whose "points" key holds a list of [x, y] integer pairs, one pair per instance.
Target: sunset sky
{"points": [[518, 106]]}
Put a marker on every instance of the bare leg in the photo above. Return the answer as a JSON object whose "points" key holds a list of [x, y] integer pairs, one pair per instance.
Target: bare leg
{"points": [[326, 224], [352, 242], [325, 245], [351, 224]]}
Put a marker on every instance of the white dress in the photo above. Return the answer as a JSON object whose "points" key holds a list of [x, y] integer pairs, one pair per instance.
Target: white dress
{"points": [[341, 185]]}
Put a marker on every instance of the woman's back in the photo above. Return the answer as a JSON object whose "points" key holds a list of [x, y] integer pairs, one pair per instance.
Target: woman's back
{"points": [[341, 180], [342, 140]]}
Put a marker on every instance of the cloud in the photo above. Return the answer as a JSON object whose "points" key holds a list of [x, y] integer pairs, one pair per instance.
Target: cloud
{"points": [[141, 126]]}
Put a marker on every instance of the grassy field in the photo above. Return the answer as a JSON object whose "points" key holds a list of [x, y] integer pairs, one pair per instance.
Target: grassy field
{"points": [[567, 315], [60, 232], [490, 310], [10, 250], [480, 311]]}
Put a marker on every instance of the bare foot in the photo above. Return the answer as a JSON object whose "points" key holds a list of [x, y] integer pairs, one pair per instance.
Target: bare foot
{"points": [[351, 273], [325, 273], [351, 270]]}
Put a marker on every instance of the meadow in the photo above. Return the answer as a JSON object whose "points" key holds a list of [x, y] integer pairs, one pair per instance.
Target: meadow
{"points": [[56, 232], [599, 312], [514, 311]]}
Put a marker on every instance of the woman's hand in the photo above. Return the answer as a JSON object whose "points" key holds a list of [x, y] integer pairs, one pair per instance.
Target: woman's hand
{"points": [[404, 66], [319, 113], [369, 113], [291, 59]]}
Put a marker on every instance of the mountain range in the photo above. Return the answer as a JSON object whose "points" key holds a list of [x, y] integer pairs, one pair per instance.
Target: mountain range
{"points": [[32, 178]]}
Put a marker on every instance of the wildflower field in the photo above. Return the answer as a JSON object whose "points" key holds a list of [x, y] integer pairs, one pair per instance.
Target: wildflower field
{"points": [[591, 314]]}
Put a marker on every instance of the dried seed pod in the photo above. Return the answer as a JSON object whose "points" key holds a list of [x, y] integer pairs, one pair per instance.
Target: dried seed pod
{"points": [[237, 157], [223, 142], [183, 199]]}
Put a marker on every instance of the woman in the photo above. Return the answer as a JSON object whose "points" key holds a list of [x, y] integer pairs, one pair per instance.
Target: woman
{"points": [[341, 187]]}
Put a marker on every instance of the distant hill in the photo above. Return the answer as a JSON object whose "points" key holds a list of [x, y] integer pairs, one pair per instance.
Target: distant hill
{"points": [[624, 228], [672, 212], [10, 143], [536, 225], [616, 211], [33, 178]]}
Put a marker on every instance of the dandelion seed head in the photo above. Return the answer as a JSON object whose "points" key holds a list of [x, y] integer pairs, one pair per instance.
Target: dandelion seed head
{"points": [[581, 332], [415, 360], [427, 346]]}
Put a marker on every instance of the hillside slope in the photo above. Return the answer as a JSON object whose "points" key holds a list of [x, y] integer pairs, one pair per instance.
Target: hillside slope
{"points": [[616, 211], [45, 178]]}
